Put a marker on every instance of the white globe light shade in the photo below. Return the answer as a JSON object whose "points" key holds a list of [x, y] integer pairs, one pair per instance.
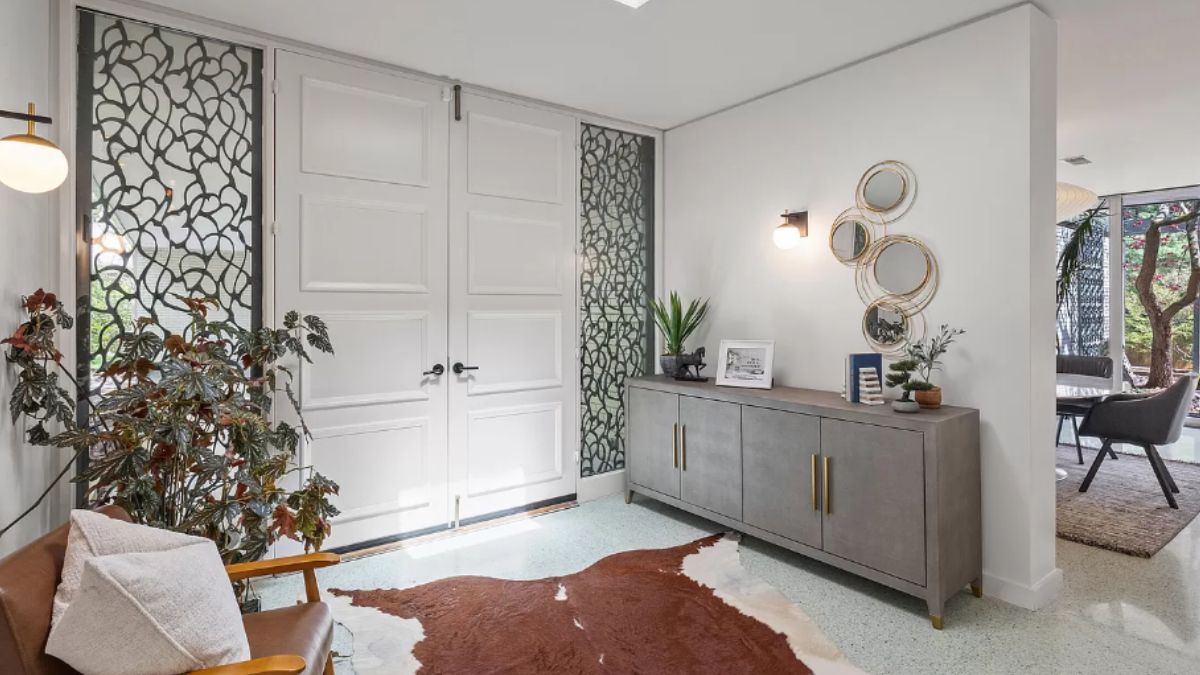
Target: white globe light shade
{"points": [[31, 164], [786, 236], [1072, 200]]}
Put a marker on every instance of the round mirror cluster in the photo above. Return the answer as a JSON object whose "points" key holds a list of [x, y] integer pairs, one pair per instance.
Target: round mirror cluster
{"points": [[895, 275]]}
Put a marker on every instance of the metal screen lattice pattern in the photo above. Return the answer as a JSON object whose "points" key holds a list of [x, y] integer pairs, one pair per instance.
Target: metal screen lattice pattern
{"points": [[1083, 315], [170, 154], [616, 281]]}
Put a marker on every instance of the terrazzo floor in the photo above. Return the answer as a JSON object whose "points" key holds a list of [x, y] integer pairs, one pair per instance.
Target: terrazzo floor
{"points": [[1115, 613]]}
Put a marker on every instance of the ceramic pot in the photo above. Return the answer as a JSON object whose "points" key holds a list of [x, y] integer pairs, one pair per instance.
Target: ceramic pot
{"points": [[906, 406], [670, 364], [930, 400]]}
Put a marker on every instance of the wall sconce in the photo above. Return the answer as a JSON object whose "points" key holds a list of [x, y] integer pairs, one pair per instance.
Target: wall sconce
{"points": [[793, 229], [28, 162]]}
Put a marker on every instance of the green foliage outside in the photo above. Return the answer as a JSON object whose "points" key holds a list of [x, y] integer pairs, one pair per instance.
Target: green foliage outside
{"points": [[1170, 283]]}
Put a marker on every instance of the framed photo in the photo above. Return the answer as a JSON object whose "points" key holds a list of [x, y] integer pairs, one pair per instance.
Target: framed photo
{"points": [[746, 363]]}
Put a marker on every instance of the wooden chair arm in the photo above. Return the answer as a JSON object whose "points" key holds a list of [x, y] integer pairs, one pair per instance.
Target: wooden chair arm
{"points": [[291, 563], [267, 665], [305, 563]]}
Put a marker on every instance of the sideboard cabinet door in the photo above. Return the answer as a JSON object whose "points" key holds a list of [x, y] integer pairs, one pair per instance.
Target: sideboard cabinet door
{"points": [[780, 451], [875, 509], [711, 455], [653, 455]]}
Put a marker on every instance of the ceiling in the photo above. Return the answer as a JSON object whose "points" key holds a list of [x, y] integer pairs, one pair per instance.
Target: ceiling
{"points": [[1129, 74]]}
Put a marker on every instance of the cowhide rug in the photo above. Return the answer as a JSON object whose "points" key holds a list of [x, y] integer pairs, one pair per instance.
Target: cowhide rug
{"points": [[688, 609]]}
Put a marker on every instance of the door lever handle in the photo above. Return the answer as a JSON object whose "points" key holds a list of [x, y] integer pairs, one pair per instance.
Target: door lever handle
{"points": [[437, 370], [458, 368]]}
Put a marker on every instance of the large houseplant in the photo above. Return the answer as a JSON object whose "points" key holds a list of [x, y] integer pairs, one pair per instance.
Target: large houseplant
{"points": [[676, 326], [180, 430]]}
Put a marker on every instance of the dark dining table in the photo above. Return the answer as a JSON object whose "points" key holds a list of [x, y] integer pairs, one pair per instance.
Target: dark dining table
{"points": [[1080, 389]]}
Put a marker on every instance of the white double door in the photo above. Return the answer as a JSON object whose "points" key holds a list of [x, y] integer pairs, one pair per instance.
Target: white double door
{"points": [[424, 241]]}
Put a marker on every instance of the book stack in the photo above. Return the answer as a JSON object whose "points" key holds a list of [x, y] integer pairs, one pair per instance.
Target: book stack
{"points": [[870, 389], [854, 364]]}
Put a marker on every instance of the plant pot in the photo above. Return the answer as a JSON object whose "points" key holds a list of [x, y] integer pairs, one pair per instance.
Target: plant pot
{"points": [[906, 406], [931, 399], [670, 364]]}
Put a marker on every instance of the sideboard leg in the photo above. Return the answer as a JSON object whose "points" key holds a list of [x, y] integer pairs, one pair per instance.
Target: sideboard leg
{"points": [[977, 588], [936, 609], [629, 496]]}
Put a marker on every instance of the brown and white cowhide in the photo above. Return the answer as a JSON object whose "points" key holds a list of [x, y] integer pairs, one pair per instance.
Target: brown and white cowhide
{"points": [[688, 609]]}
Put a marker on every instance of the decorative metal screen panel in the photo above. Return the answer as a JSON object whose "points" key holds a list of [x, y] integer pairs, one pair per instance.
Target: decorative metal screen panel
{"points": [[1083, 315], [616, 281], [169, 162], [168, 183]]}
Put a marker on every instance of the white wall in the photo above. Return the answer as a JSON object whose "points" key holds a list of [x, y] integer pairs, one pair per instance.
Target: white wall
{"points": [[27, 233], [972, 112]]}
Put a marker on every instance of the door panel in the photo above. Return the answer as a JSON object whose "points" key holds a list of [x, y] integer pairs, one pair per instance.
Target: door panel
{"points": [[711, 455], [361, 190], [875, 509], [513, 421], [778, 451], [653, 454]]}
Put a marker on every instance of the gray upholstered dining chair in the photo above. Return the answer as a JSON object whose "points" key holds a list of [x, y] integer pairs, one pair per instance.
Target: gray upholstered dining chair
{"points": [[1146, 421], [1089, 366]]}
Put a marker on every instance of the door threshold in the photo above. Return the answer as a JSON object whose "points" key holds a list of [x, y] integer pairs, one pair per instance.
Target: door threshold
{"points": [[398, 542]]}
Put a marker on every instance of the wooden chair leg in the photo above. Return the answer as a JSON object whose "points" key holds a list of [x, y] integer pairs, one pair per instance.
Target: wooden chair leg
{"points": [[1087, 480], [329, 664], [1078, 447]]}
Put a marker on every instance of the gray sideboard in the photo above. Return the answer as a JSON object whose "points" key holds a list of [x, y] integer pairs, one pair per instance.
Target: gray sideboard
{"points": [[890, 497]]}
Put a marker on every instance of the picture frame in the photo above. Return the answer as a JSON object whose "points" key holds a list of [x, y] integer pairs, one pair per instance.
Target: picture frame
{"points": [[746, 363]]}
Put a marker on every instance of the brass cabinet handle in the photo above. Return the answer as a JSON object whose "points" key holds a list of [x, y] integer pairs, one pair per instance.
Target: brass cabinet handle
{"points": [[828, 497], [675, 445], [683, 442], [814, 484]]}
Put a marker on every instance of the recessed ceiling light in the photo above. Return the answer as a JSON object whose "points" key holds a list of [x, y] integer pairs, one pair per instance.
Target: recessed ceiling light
{"points": [[633, 3], [1077, 160]]}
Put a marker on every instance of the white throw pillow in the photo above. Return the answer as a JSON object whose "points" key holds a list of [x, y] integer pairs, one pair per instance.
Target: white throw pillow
{"points": [[156, 613], [93, 534]]}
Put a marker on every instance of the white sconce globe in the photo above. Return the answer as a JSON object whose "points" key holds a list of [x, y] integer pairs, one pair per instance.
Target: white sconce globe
{"points": [[786, 236], [31, 164]]}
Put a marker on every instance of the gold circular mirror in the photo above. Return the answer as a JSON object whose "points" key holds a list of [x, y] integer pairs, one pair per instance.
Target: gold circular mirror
{"points": [[885, 326], [849, 238], [901, 267], [884, 190]]}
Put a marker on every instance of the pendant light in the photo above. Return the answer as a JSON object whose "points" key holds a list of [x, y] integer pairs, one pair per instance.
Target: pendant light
{"points": [[28, 162], [1072, 200]]}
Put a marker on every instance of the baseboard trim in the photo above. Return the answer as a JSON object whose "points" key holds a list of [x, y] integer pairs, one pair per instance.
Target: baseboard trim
{"points": [[603, 485], [1033, 597]]}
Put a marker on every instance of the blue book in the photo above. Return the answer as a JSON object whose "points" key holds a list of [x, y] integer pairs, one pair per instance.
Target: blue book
{"points": [[857, 362]]}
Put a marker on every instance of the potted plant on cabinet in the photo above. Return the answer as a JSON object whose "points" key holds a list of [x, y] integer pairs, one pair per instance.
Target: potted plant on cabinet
{"points": [[901, 376], [927, 356], [179, 431], [676, 326]]}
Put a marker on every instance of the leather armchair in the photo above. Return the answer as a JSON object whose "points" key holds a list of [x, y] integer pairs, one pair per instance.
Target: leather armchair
{"points": [[287, 641]]}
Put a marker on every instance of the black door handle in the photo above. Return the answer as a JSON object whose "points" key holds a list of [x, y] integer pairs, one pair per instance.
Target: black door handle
{"points": [[437, 370], [458, 368]]}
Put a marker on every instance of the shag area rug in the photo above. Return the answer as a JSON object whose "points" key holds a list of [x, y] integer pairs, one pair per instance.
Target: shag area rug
{"points": [[1124, 509], [688, 609]]}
